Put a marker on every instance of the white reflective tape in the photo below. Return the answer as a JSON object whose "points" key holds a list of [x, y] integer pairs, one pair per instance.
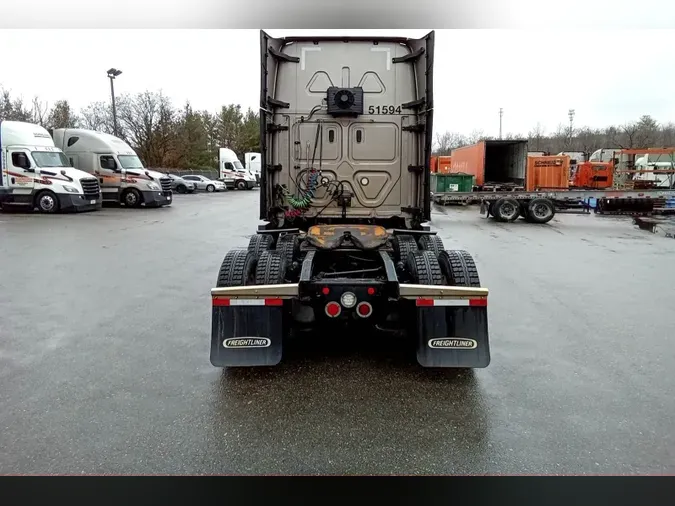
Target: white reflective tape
{"points": [[247, 302], [451, 302]]}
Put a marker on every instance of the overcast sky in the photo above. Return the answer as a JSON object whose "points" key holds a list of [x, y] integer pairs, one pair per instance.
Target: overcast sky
{"points": [[608, 77]]}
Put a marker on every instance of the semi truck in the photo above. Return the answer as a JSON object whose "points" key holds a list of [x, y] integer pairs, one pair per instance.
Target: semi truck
{"points": [[117, 167], [507, 188], [252, 164], [345, 133], [232, 172], [34, 173]]}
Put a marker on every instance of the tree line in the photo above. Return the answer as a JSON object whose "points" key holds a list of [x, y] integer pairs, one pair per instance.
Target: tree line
{"points": [[162, 134], [646, 132], [167, 136]]}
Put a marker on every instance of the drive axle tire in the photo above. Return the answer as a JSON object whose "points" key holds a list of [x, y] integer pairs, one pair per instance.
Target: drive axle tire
{"points": [[271, 268], [432, 243], [259, 243], [459, 268], [404, 245], [540, 211], [237, 269], [289, 247], [506, 209], [423, 268]]}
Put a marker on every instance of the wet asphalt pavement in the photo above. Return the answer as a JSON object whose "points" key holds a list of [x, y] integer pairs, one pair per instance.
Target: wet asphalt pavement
{"points": [[104, 356]]}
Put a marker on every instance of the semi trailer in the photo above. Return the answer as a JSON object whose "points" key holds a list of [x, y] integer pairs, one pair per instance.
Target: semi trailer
{"points": [[34, 173], [345, 134], [511, 185]]}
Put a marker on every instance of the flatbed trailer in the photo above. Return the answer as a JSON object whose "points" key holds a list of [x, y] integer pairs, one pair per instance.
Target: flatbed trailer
{"points": [[541, 206]]}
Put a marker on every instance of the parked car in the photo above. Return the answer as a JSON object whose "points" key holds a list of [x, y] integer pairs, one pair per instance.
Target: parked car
{"points": [[180, 185], [206, 184]]}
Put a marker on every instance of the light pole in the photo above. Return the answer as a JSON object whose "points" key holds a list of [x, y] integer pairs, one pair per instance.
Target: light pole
{"points": [[112, 74], [571, 113], [501, 113]]}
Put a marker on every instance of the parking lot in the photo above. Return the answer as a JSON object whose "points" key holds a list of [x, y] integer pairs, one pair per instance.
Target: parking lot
{"points": [[104, 356]]}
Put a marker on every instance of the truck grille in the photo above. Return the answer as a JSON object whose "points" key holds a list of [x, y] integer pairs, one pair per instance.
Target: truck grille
{"points": [[166, 184], [91, 188]]}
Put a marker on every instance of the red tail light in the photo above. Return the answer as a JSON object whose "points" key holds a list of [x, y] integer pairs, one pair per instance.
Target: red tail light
{"points": [[333, 309], [371, 291], [325, 290], [364, 309]]}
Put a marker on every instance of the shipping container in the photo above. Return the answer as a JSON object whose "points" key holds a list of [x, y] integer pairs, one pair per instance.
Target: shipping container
{"points": [[493, 161], [548, 172], [433, 164], [444, 164]]}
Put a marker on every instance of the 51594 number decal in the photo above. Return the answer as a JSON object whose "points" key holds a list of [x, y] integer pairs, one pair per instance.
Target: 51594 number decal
{"points": [[384, 109]]}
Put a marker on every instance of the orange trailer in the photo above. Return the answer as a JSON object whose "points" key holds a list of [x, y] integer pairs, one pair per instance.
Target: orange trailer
{"points": [[444, 164], [433, 164], [547, 173], [492, 161]]}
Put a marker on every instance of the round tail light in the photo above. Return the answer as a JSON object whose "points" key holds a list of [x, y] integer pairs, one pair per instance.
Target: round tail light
{"points": [[364, 309], [333, 309]]}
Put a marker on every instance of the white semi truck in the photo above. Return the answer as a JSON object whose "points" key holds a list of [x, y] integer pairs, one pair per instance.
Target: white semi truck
{"points": [[232, 172], [34, 173], [114, 163], [252, 164]]}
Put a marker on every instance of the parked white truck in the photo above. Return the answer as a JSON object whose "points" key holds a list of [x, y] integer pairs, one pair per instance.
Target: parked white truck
{"points": [[232, 172], [119, 170], [252, 164], [36, 174]]}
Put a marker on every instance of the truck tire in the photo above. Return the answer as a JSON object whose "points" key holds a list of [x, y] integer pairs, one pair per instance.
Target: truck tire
{"points": [[237, 269], [403, 245], [432, 243], [289, 246], [506, 209], [459, 268], [240, 184], [540, 210], [47, 202], [132, 198], [259, 243], [271, 268], [423, 268]]}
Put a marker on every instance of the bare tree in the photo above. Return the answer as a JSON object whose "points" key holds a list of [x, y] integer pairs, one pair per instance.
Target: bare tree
{"points": [[535, 136], [39, 112], [97, 116]]}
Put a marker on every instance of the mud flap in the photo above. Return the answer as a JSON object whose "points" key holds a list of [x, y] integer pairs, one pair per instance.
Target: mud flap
{"points": [[246, 332], [452, 336]]}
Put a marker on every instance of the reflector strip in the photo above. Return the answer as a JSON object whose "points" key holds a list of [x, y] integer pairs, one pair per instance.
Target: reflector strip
{"points": [[222, 301], [477, 302]]}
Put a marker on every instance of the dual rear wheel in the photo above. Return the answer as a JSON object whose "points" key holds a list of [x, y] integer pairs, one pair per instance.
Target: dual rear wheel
{"points": [[507, 209]]}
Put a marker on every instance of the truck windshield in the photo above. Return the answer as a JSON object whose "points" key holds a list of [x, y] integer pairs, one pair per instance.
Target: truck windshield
{"points": [[661, 158], [238, 166], [50, 159], [130, 161]]}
